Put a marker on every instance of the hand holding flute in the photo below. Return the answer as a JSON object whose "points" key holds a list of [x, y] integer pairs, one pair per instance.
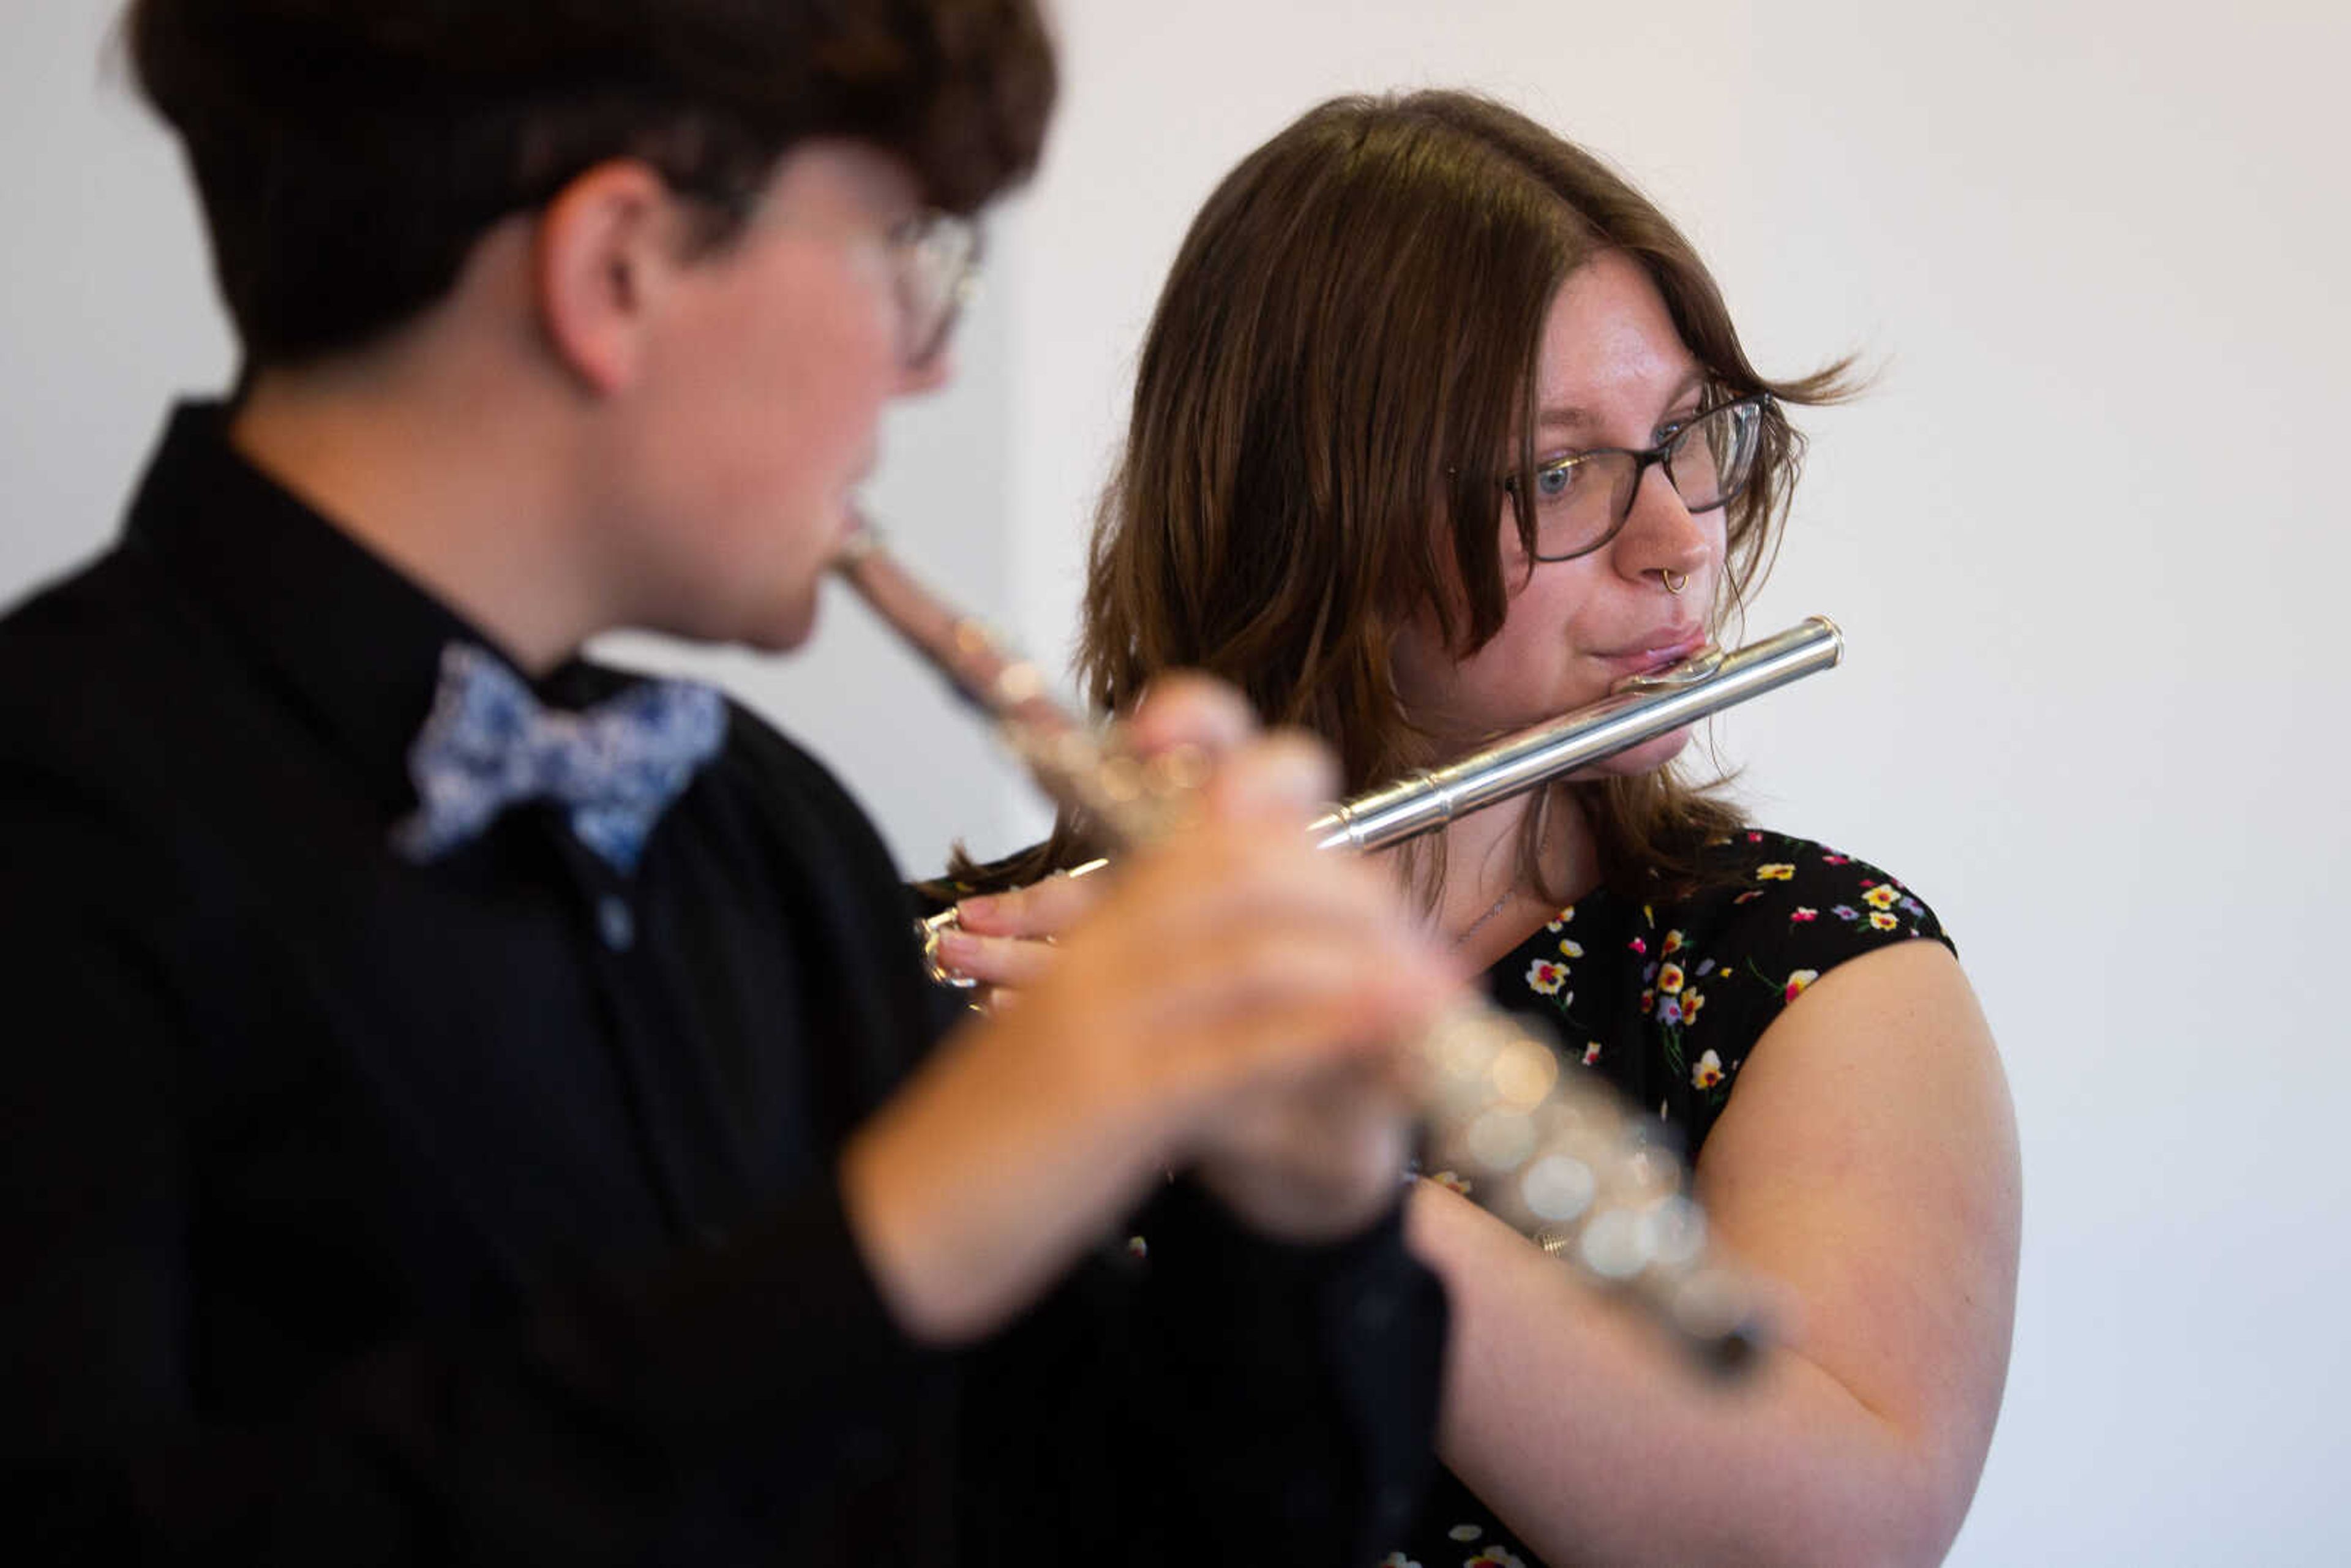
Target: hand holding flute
{"points": [[1234, 1006], [1577, 1168]]}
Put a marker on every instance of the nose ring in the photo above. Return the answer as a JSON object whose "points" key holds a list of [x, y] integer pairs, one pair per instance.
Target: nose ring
{"points": [[1674, 582]]}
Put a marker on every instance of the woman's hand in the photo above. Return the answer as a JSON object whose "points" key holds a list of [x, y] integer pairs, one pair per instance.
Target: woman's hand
{"points": [[1004, 941]]}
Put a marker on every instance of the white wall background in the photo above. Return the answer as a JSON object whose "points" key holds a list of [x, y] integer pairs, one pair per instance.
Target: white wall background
{"points": [[2085, 538]]}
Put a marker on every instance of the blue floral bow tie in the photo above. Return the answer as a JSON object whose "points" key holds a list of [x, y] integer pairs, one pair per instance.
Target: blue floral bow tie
{"points": [[488, 743]]}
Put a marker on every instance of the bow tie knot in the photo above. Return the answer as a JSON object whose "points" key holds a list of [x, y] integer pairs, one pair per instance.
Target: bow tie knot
{"points": [[489, 744]]}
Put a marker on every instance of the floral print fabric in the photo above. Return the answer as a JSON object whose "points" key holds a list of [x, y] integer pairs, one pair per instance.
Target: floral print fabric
{"points": [[1665, 998]]}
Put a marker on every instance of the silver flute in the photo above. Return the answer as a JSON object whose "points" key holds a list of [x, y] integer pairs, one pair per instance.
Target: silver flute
{"points": [[1555, 1151], [1640, 708]]}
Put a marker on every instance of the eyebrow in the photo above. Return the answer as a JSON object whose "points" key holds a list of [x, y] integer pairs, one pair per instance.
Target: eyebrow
{"points": [[1571, 419]]}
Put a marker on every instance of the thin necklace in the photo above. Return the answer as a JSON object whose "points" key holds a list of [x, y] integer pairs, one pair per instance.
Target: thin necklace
{"points": [[1542, 846], [1471, 929]]}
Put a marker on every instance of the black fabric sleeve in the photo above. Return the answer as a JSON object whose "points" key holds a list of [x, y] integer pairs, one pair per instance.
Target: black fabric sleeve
{"points": [[1212, 1397], [1799, 910], [1722, 967], [1306, 1379]]}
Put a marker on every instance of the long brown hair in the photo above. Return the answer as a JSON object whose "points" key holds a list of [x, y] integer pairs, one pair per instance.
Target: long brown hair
{"points": [[1350, 334]]}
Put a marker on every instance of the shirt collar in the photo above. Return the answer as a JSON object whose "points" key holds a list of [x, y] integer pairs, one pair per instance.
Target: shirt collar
{"points": [[351, 640]]}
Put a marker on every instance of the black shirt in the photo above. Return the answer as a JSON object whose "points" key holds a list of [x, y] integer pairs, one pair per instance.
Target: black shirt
{"points": [[359, 1211]]}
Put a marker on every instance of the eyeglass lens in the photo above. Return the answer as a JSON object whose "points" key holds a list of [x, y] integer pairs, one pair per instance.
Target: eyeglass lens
{"points": [[937, 255], [1581, 500]]}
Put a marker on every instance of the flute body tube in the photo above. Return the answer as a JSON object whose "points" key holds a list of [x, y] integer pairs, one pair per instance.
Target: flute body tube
{"points": [[1553, 1149], [1641, 708]]}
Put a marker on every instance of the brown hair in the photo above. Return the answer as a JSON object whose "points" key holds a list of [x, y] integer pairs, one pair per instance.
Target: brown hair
{"points": [[1350, 334], [349, 155]]}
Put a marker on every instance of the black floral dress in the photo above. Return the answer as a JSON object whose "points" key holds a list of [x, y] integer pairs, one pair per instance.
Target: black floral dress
{"points": [[1665, 1000]]}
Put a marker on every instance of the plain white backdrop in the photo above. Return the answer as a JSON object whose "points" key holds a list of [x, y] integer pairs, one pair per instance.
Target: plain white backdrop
{"points": [[2085, 537]]}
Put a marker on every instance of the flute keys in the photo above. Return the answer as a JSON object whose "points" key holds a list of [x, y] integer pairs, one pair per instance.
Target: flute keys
{"points": [[1558, 1188], [1523, 1072], [1611, 1246], [1676, 1231], [1500, 1138], [1018, 683]]}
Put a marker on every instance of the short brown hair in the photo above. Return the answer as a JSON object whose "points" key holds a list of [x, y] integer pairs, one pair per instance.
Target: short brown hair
{"points": [[349, 155], [1349, 337]]}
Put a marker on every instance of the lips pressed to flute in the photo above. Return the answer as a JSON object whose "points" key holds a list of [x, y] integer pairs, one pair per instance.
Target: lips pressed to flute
{"points": [[1559, 1155]]}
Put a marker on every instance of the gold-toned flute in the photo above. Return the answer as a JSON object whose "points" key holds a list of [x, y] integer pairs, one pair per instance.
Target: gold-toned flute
{"points": [[1555, 1150]]}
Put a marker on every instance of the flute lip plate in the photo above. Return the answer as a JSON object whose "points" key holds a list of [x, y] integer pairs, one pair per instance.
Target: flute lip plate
{"points": [[1687, 672]]}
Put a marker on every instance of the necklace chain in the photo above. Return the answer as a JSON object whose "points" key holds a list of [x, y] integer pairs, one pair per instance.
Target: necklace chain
{"points": [[1542, 845], [1471, 930]]}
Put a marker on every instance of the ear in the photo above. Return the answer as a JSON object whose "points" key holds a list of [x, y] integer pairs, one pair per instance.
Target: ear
{"points": [[604, 251]]}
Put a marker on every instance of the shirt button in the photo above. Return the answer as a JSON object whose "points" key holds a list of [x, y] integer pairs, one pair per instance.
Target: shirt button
{"points": [[614, 922]]}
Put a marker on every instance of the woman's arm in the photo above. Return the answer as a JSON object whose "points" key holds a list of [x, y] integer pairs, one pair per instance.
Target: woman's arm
{"points": [[1868, 1162]]}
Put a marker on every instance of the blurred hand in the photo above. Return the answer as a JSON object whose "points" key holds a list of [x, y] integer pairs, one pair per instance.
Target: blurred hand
{"points": [[1235, 998]]}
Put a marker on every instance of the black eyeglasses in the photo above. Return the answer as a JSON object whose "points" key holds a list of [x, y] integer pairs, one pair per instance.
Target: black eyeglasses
{"points": [[1581, 501]]}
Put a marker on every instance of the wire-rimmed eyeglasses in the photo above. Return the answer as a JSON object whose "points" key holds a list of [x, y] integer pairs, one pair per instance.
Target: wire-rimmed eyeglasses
{"points": [[936, 261], [934, 258], [1583, 500]]}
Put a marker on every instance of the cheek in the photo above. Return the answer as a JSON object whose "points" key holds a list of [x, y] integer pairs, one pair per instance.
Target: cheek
{"points": [[783, 394], [1718, 544]]}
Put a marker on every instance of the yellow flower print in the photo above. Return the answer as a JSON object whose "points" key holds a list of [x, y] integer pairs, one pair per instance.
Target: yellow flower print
{"points": [[1669, 978], [1798, 981], [1691, 1002], [1546, 977], [1672, 945], [1568, 948], [1881, 896], [1494, 1557], [1561, 918], [1708, 1072], [1883, 921], [1590, 1053], [1778, 872]]}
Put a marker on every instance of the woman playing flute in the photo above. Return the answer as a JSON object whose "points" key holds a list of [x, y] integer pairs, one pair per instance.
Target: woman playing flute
{"points": [[1442, 429]]}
